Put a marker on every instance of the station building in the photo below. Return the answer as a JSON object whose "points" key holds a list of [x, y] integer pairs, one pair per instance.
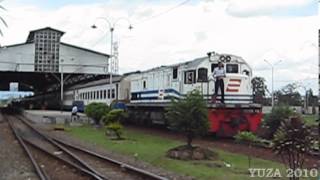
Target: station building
{"points": [[44, 55]]}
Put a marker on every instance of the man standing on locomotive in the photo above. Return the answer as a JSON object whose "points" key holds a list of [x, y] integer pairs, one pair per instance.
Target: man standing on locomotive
{"points": [[218, 75]]}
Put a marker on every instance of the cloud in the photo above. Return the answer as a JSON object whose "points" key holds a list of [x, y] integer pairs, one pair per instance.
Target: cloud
{"points": [[248, 8], [185, 33]]}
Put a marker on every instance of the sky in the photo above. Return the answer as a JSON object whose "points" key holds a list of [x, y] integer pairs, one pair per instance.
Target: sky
{"points": [[166, 32]]}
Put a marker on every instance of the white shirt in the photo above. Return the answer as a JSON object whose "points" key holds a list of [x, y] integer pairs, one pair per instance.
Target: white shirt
{"points": [[218, 72], [74, 109]]}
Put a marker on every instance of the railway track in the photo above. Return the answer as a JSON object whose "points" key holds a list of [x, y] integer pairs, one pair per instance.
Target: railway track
{"points": [[56, 159]]}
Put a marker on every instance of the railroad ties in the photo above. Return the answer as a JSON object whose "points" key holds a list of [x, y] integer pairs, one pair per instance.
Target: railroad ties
{"points": [[56, 159]]}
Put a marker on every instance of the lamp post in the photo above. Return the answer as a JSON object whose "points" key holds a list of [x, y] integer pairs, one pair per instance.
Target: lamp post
{"points": [[272, 81], [111, 29], [61, 85]]}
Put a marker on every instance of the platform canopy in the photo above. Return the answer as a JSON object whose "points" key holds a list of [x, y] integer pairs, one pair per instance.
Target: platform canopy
{"points": [[38, 63]]}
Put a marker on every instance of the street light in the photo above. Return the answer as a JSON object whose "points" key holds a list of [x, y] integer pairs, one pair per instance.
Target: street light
{"points": [[111, 29], [272, 71], [61, 84]]}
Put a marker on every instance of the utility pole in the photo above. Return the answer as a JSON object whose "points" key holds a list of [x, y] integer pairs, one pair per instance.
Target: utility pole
{"points": [[272, 80], [61, 85]]}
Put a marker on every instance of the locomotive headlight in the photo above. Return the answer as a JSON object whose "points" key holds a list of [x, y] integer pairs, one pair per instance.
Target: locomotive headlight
{"points": [[211, 55], [222, 58]]}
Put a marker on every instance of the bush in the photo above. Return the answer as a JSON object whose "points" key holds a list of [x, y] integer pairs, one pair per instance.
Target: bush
{"points": [[115, 115], [292, 141], [96, 111], [189, 116], [112, 121], [116, 128], [273, 120], [246, 136]]}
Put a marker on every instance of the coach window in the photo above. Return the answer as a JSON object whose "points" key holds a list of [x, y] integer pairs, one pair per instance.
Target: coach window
{"points": [[175, 73], [109, 93], [232, 68], [104, 94], [189, 77], [113, 94], [202, 75], [144, 84], [101, 94]]}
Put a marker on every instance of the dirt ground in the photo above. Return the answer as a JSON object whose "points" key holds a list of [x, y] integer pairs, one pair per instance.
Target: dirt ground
{"points": [[14, 163]]}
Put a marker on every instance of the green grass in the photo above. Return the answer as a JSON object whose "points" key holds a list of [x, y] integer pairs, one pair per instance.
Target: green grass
{"points": [[152, 149], [310, 119]]}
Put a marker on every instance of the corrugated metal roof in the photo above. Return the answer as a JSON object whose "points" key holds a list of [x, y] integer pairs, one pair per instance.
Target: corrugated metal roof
{"points": [[115, 79]]}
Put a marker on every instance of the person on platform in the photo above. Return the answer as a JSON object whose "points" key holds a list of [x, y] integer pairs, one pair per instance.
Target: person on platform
{"points": [[218, 76], [74, 113]]}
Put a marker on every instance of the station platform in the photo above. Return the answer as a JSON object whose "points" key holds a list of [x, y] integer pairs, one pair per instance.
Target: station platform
{"points": [[54, 117]]}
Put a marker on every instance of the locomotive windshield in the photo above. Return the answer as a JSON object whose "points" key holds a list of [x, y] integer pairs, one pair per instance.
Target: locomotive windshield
{"points": [[232, 68]]}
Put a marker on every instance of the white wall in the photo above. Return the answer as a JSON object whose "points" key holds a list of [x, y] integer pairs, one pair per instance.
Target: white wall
{"points": [[17, 58], [95, 63], [267, 109]]}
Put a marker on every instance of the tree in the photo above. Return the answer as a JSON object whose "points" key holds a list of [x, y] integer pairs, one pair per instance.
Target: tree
{"points": [[2, 20], [292, 141], [259, 89], [189, 116], [96, 111], [289, 95]]}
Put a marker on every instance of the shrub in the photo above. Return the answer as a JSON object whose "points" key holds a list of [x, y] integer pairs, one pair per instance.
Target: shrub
{"points": [[273, 120], [189, 116], [292, 141], [112, 121], [116, 128], [246, 136], [96, 111], [115, 115]]}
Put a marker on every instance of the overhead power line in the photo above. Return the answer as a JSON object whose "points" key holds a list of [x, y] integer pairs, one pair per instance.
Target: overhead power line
{"points": [[164, 12]]}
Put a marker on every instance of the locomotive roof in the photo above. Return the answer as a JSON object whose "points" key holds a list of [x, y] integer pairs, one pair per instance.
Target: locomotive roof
{"points": [[196, 62]]}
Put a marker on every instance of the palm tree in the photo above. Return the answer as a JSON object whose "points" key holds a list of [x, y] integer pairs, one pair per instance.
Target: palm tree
{"points": [[1, 18]]}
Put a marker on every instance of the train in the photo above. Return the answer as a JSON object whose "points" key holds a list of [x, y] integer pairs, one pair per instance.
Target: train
{"points": [[146, 94]]}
